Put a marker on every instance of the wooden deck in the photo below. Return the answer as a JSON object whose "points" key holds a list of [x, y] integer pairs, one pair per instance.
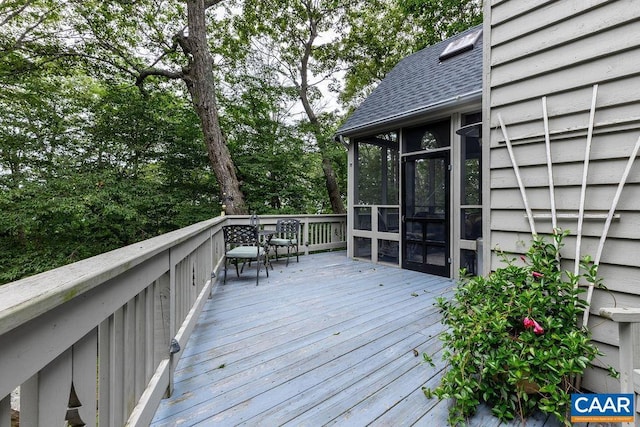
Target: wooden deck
{"points": [[326, 341]]}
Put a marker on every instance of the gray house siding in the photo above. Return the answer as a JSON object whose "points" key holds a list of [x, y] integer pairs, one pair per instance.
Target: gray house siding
{"points": [[559, 50]]}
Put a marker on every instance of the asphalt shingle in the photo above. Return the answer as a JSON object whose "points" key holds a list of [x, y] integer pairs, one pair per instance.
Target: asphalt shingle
{"points": [[420, 82]]}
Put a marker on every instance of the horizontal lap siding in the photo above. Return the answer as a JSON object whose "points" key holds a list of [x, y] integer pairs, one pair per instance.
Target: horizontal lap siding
{"points": [[616, 66], [600, 173], [510, 221], [603, 147], [598, 198], [568, 113], [559, 50], [618, 251], [522, 42]]}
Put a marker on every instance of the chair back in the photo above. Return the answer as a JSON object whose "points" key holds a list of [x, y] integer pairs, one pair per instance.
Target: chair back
{"points": [[288, 228], [240, 235]]}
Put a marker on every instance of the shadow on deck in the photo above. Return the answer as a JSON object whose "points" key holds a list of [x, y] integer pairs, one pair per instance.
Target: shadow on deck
{"points": [[326, 341]]}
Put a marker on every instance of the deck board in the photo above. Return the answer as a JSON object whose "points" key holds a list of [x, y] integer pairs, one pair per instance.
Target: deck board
{"points": [[326, 341]]}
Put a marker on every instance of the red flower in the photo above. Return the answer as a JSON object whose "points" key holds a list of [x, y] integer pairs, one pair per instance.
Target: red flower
{"points": [[531, 323], [537, 275], [528, 323]]}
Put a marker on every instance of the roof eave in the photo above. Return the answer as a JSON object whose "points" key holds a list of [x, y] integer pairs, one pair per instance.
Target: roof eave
{"points": [[406, 115]]}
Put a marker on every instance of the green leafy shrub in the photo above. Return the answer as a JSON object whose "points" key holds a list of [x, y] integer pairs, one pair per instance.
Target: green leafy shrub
{"points": [[513, 340]]}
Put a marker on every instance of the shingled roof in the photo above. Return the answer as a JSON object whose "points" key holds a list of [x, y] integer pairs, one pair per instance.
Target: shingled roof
{"points": [[420, 83]]}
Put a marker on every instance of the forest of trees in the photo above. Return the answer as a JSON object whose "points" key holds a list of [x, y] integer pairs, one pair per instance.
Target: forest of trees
{"points": [[125, 119]]}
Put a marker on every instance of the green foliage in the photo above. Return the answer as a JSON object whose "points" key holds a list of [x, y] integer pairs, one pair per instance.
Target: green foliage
{"points": [[439, 19], [302, 36], [512, 340], [379, 33], [276, 171], [88, 168], [88, 163]]}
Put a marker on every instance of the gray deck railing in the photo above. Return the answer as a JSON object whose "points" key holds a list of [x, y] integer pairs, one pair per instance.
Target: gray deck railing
{"points": [[91, 341], [628, 320]]}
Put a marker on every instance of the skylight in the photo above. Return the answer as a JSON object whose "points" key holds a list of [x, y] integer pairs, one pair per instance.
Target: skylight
{"points": [[460, 45]]}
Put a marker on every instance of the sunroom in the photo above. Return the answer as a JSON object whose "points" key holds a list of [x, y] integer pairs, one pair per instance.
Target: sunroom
{"points": [[415, 163]]}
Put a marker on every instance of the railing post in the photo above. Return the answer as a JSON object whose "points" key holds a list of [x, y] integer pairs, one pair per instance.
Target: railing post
{"points": [[172, 315], [479, 256], [307, 235], [629, 347], [211, 266]]}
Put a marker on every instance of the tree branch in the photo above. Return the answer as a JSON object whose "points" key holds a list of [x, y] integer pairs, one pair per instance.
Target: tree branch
{"points": [[304, 66], [12, 14], [211, 3], [172, 75], [184, 43]]}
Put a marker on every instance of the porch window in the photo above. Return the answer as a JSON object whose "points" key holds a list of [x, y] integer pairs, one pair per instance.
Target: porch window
{"points": [[470, 195], [468, 261], [362, 218], [377, 170], [388, 251], [471, 227], [428, 137], [471, 190], [376, 211], [388, 220], [362, 247]]}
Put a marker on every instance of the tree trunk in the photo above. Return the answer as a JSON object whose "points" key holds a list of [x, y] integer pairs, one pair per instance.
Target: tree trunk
{"points": [[332, 187], [330, 179], [331, 182], [200, 83]]}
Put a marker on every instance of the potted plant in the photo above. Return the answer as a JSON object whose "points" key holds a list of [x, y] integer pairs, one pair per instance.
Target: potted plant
{"points": [[512, 339]]}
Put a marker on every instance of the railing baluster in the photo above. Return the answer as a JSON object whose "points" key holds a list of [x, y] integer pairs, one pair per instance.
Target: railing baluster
{"points": [[104, 370], [149, 313], [116, 368], [85, 376], [112, 342], [162, 329], [128, 359], [44, 397], [140, 354]]}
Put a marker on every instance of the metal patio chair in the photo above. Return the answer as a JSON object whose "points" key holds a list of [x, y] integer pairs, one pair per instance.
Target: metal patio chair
{"points": [[287, 235], [242, 244]]}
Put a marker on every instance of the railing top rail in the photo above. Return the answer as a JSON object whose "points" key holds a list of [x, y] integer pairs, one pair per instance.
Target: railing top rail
{"points": [[25, 299], [311, 218], [85, 323], [299, 216]]}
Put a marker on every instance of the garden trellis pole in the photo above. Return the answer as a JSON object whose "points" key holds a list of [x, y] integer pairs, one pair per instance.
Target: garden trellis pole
{"points": [[552, 196], [547, 142], [585, 171], [607, 224], [516, 169]]}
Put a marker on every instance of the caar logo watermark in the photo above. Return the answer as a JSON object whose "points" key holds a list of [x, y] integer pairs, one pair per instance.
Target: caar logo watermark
{"points": [[602, 407]]}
